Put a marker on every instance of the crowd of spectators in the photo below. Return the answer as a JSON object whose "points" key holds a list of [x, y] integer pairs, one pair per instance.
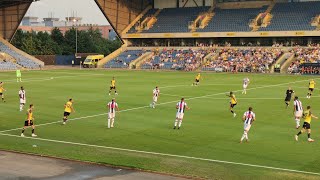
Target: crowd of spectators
{"points": [[304, 58], [180, 59], [244, 60]]}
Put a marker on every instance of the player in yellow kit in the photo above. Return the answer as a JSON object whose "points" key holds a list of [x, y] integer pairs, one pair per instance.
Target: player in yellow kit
{"points": [[29, 121], [312, 84], [113, 86], [197, 80], [68, 109], [307, 116], [233, 103], [2, 91]]}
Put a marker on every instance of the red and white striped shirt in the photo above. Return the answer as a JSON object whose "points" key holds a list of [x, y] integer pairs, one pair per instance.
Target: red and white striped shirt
{"points": [[249, 117], [156, 92], [298, 105], [112, 106], [181, 106], [22, 94]]}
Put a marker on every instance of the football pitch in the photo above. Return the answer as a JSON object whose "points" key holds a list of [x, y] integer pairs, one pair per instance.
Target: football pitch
{"points": [[207, 145]]}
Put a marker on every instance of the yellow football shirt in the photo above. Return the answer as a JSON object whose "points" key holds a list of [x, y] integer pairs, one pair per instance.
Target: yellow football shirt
{"points": [[113, 83], [233, 99], [29, 115], [312, 84], [68, 107], [307, 116]]}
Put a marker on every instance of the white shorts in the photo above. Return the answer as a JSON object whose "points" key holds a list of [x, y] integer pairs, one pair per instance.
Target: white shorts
{"points": [[246, 127], [22, 101], [111, 115], [155, 98], [298, 114], [179, 115], [245, 86]]}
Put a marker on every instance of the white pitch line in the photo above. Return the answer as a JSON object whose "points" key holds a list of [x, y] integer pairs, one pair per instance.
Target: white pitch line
{"points": [[165, 154], [184, 85], [174, 95], [198, 97], [84, 117]]}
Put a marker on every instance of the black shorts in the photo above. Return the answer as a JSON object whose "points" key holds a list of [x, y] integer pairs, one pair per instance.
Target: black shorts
{"points": [[27, 124], [311, 89], [0, 94], [197, 80], [306, 125], [66, 114], [112, 87], [287, 99], [233, 105]]}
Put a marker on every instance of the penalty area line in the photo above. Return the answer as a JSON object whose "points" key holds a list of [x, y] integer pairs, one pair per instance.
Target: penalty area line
{"points": [[165, 154]]}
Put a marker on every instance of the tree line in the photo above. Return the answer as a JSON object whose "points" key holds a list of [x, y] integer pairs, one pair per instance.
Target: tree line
{"points": [[57, 43]]}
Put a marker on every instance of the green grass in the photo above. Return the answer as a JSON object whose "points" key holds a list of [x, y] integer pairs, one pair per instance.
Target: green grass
{"points": [[209, 131]]}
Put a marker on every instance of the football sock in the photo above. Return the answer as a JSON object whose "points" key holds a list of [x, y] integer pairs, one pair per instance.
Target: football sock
{"points": [[287, 104], [176, 122], [112, 121], [299, 133], [32, 131], [180, 122], [21, 107], [108, 123], [309, 135], [232, 111], [298, 122], [64, 119], [23, 130]]}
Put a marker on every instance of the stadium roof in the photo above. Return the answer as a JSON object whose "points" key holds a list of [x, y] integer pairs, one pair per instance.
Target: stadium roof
{"points": [[8, 3]]}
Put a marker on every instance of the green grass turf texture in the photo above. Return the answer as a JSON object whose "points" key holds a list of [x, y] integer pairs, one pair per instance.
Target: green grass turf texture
{"points": [[208, 130]]}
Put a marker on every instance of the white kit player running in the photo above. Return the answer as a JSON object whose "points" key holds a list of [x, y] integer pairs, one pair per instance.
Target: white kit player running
{"points": [[155, 94], [246, 82], [297, 110], [248, 119], [181, 107], [112, 106], [22, 96]]}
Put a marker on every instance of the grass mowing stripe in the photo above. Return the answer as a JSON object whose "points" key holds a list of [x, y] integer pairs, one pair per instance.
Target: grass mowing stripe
{"points": [[85, 117], [169, 155], [49, 78]]}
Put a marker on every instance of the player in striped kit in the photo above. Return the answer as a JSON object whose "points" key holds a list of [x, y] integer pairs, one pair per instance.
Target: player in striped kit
{"points": [[112, 106], [181, 107], [246, 82], [156, 94], [22, 96], [248, 119], [297, 110]]}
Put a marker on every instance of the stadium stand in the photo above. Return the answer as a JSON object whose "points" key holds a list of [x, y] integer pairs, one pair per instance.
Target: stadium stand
{"points": [[243, 60], [177, 59], [150, 13], [124, 59], [305, 60], [7, 65], [175, 19], [293, 16], [230, 20], [20, 59]]}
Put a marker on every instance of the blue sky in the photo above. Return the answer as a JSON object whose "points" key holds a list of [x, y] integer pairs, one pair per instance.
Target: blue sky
{"points": [[87, 9]]}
